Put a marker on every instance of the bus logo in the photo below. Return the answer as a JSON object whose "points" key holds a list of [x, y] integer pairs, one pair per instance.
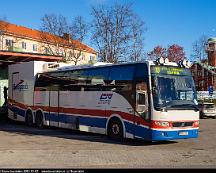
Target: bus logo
{"points": [[20, 86], [105, 98]]}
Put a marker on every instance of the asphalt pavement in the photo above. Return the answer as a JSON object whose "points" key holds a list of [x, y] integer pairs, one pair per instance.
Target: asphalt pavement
{"points": [[28, 147]]}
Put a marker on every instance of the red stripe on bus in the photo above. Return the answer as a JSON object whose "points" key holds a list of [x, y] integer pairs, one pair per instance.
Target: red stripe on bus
{"points": [[91, 112]]}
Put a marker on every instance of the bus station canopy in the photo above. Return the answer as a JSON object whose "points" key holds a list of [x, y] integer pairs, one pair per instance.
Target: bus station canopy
{"points": [[8, 57]]}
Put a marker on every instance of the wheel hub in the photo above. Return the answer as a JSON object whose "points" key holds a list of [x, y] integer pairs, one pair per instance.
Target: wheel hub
{"points": [[115, 129]]}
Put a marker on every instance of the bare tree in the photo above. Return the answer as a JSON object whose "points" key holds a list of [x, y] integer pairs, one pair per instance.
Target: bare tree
{"points": [[78, 29], [199, 46], [57, 35], [137, 39], [117, 33]]}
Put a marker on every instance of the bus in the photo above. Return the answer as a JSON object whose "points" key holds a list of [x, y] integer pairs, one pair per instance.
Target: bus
{"points": [[151, 100]]}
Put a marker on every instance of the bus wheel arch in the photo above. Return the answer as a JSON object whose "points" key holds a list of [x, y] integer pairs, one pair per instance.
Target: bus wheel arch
{"points": [[29, 117], [115, 127], [39, 118]]}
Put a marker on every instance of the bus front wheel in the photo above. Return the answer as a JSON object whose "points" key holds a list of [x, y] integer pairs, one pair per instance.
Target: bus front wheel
{"points": [[115, 129], [39, 119]]}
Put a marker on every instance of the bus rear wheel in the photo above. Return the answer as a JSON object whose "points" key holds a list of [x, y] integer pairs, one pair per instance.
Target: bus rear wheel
{"points": [[29, 118], [39, 120], [115, 129]]}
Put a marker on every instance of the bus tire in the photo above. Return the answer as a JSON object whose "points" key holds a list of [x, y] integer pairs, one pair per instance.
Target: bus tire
{"points": [[39, 119], [115, 129], [29, 118]]}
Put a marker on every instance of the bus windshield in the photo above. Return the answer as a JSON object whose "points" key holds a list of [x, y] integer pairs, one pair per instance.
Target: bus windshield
{"points": [[173, 88]]}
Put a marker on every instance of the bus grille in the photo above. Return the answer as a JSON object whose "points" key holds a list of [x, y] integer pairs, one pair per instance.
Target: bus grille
{"points": [[182, 124]]}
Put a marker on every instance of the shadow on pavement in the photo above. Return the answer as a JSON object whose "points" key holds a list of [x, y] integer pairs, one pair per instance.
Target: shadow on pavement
{"points": [[19, 128]]}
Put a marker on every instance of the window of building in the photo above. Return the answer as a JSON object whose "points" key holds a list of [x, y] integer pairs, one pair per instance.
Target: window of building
{"points": [[34, 47], [9, 42], [91, 58], [83, 56], [47, 50], [24, 45], [199, 73]]}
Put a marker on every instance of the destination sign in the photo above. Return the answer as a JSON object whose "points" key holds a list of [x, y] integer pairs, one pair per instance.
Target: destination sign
{"points": [[168, 70]]}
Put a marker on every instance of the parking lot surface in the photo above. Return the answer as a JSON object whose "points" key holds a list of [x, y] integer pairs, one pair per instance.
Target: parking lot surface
{"points": [[29, 147]]}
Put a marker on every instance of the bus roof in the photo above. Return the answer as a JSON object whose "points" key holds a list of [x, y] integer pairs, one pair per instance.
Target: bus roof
{"points": [[100, 64]]}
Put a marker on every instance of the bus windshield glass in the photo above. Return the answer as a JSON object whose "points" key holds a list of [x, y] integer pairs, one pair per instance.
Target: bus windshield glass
{"points": [[173, 88]]}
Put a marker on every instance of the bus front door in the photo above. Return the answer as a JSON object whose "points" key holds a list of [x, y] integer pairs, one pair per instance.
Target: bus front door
{"points": [[142, 114]]}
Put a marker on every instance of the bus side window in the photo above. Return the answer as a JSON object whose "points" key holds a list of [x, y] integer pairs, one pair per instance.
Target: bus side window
{"points": [[142, 100], [42, 83], [122, 81]]}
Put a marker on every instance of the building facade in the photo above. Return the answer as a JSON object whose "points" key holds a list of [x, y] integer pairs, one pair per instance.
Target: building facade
{"points": [[204, 74], [16, 38]]}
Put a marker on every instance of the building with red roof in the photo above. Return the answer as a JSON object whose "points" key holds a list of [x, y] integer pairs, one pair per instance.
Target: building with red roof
{"points": [[19, 39], [20, 44]]}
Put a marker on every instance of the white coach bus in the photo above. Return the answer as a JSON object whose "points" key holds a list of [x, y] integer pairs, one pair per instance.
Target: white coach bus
{"points": [[152, 100]]}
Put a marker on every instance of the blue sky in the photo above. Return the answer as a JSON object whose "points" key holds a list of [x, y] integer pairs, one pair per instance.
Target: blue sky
{"points": [[167, 21]]}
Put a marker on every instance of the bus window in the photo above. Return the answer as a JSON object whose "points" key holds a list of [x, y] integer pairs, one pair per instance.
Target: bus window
{"points": [[122, 78], [98, 76], [42, 83], [142, 100], [71, 80], [141, 72], [120, 73]]}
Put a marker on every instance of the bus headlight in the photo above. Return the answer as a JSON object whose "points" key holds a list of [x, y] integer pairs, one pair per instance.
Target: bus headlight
{"points": [[196, 124], [162, 123]]}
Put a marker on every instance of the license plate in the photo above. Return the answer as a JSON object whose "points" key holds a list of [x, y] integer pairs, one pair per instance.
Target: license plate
{"points": [[183, 133]]}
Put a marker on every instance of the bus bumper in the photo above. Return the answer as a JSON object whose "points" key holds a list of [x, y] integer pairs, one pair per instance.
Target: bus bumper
{"points": [[158, 135]]}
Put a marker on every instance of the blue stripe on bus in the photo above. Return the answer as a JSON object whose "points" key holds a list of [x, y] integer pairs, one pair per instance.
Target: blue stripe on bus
{"points": [[138, 131], [65, 118], [18, 111]]}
